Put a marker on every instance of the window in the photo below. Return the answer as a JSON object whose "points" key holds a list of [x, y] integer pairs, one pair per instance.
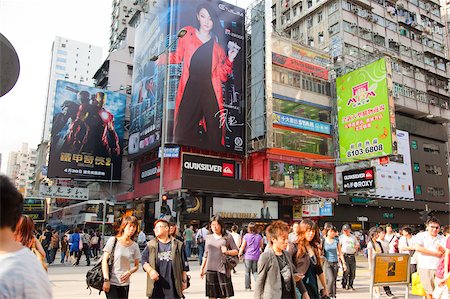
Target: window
{"points": [[63, 45], [319, 17], [284, 175], [309, 22], [416, 167], [435, 191], [302, 142], [431, 148], [433, 169], [60, 59], [321, 38], [418, 189], [333, 29], [413, 144], [310, 3], [311, 41], [332, 7], [62, 52], [60, 67]]}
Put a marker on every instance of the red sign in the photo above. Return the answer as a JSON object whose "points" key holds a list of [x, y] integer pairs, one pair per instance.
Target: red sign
{"points": [[228, 169], [301, 66], [369, 174], [383, 160]]}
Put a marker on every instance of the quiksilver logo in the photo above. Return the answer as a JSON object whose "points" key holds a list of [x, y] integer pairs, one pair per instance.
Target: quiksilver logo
{"points": [[227, 170], [202, 166]]}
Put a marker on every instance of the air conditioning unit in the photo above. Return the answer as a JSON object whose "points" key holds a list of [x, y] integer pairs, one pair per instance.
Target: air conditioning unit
{"points": [[353, 25], [355, 10], [390, 40], [330, 30], [124, 21]]}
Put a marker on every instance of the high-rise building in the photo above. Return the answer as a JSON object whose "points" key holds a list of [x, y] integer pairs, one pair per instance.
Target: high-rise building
{"points": [[21, 167], [123, 11], [412, 33], [72, 61]]}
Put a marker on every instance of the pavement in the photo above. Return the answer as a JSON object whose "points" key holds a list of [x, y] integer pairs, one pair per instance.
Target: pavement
{"points": [[69, 282]]}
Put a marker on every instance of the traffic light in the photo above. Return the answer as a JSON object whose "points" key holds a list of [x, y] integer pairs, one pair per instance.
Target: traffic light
{"points": [[425, 214], [100, 211], [164, 197], [179, 204]]}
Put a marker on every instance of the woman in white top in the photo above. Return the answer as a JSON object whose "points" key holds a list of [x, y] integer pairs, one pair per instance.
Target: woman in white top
{"points": [[117, 283]]}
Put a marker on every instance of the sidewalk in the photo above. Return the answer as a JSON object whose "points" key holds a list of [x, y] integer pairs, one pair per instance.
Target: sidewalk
{"points": [[69, 282]]}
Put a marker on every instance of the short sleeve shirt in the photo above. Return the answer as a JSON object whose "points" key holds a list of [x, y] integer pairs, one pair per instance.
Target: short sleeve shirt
{"points": [[252, 248], [441, 266], [424, 239], [164, 286], [123, 255], [22, 276], [348, 244]]}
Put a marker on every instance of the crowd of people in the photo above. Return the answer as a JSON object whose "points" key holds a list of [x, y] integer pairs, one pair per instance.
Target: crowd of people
{"points": [[297, 261]]}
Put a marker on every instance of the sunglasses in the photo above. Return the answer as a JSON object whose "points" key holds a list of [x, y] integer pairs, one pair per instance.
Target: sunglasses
{"points": [[434, 227]]}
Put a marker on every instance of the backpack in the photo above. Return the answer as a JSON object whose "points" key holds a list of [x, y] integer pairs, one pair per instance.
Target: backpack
{"points": [[200, 239], [94, 240], [94, 277]]}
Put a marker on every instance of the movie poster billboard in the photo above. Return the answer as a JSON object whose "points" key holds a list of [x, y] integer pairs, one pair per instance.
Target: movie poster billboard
{"points": [[87, 133], [366, 117], [206, 60]]}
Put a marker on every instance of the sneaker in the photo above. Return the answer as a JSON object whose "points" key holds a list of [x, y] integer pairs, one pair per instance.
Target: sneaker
{"points": [[350, 288], [344, 287], [390, 295], [248, 290]]}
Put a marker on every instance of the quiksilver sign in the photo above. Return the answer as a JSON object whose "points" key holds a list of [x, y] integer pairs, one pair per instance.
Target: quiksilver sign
{"points": [[358, 179], [201, 165]]}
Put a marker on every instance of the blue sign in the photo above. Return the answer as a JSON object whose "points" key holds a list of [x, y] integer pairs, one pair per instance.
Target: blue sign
{"points": [[327, 209], [301, 123], [170, 152]]}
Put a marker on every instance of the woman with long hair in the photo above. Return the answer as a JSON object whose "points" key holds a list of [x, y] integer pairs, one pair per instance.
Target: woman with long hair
{"points": [[333, 253], [199, 99], [117, 282], [24, 234], [306, 256], [218, 245]]}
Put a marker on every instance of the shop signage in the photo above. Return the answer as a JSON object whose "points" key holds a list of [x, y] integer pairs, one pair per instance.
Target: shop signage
{"points": [[245, 208], [34, 208], [63, 192], [207, 166], [301, 66], [326, 209], [310, 210], [362, 219], [392, 268], [358, 179], [170, 152], [150, 171], [301, 123]]}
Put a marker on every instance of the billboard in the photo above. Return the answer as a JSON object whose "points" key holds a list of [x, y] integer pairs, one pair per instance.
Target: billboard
{"points": [[87, 132], [358, 179], [245, 208], [394, 179], [203, 44], [35, 208], [208, 166], [366, 117]]}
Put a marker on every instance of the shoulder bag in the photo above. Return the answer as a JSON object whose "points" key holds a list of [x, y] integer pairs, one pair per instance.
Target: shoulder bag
{"points": [[94, 277], [230, 261]]}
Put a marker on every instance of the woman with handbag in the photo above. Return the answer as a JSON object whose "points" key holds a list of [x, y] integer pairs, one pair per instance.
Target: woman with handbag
{"points": [[219, 258], [117, 278], [24, 234]]}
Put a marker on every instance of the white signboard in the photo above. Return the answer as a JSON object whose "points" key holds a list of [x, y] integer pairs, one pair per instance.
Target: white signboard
{"points": [[310, 210], [394, 180], [245, 208], [64, 192]]}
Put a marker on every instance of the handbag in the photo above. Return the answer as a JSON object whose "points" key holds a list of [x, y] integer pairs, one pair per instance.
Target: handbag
{"points": [[230, 261], [40, 257], [416, 285], [94, 277]]}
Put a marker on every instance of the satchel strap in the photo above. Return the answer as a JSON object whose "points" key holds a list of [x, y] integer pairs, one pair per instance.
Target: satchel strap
{"points": [[111, 256]]}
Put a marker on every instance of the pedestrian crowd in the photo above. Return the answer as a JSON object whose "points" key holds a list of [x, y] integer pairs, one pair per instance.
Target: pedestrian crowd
{"points": [[281, 261]]}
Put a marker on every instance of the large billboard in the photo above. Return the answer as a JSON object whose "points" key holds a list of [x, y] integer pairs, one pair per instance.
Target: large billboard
{"points": [[204, 41], [366, 117], [87, 133], [245, 208]]}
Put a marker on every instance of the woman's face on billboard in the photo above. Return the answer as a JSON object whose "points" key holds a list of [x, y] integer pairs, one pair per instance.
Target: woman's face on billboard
{"points": [[205, 20]]}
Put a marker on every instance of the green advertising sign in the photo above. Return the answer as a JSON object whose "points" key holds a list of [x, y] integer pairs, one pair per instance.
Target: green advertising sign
{"points": [[366, 116]]}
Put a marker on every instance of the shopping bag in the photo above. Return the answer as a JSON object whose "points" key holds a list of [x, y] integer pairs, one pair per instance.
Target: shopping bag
{"points": [[417, 288]]}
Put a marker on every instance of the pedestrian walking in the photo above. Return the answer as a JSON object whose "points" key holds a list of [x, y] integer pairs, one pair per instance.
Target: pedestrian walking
{"points": [[75, 247], [293, 234], [406, 245], [349, 245], [391, 238], [188, 235], [218, 245], [21, 274], [305, 254], [236, 238], [84, 249], [95, 244], [252, 245], [384, 247], [46, 238], [200, 239], [333, 253], [373, 247], [166, 264], [64, 247], [430, 247], [54, 245], [24, 234], [117, 282], [277, 277], [442, 274]]}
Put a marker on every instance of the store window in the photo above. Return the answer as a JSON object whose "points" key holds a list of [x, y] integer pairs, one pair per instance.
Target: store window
{"points": [[433, 169], [431, 148], [435, 191], [285, 175], [416, 167], [303, 142], [302, 110]]}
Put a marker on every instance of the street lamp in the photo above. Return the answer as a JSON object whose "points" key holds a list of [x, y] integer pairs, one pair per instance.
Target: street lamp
{"points": [[180, 34]]}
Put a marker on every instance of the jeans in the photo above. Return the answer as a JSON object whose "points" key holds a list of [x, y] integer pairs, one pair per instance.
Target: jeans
{"points": [[63, 256], [85, 250], [349, 275], [188, 248], [331, 271], [201, 251], [250, 267], [118, 292], [48, 255]]}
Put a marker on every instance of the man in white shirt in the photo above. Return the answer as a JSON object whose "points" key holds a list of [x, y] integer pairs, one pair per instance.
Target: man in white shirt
{"points": [[21, 274], [292, 237], [430, 247], [349, 246], [200, 238], [142, 239], [391, 238]]}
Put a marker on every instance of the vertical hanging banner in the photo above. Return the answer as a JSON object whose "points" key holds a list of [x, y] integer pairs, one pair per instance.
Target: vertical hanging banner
{"points": [[366, 116], [87, 133], [205, 57]]}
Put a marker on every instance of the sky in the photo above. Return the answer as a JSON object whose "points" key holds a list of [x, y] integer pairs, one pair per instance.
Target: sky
{"points": [[31, 27]]}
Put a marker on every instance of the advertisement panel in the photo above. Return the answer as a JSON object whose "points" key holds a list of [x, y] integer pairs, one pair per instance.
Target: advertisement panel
{"points": [[150, 171], [245, 208], [34, 208], [301, 123], [366, 117], [207, 166], [394, 179], [87, 132], [358, 179], [64, 192], [203, 44]]}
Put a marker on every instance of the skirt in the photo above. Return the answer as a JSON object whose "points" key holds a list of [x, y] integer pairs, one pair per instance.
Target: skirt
{"points": [[218, 285]]}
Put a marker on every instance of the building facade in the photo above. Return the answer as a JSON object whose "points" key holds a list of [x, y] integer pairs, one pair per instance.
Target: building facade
{"points": [[21, 168]]}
